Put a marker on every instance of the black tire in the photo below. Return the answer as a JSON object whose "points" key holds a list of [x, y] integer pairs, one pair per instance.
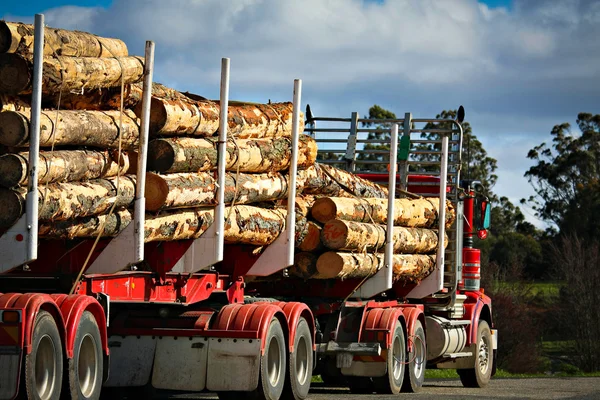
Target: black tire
{"points": [[300, 364], [480, 375], [272, 364], [43, 369], [417, 361], [360, 384], [391, 382], [85, 369]]}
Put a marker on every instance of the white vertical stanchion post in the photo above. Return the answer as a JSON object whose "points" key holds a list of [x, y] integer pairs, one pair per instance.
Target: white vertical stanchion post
{"points": [[440, 257], [291, 205], [140, 198], [34, 138], [389, 240], [222, 152]]}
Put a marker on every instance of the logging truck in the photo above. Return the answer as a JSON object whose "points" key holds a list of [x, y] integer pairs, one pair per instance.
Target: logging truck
{"points": [[196, 255]]}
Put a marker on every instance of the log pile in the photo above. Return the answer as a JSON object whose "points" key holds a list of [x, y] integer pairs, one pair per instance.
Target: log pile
{"points": [[88, 161]]}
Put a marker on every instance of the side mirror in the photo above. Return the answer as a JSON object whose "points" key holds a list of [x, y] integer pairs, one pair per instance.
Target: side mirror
{"points": [[486, 214]]}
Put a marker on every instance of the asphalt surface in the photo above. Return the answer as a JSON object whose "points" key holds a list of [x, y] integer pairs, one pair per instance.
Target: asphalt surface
{"points": [[542, 388]]}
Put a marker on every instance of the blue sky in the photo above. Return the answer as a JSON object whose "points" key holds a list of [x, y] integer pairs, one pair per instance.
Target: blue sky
{"points": [[518, 66]]}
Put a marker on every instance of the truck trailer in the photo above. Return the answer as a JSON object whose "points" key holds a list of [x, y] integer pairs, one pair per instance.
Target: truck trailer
{"points": [[90, 317]]}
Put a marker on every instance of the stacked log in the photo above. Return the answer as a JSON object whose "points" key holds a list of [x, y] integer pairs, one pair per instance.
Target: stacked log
{"points": [[88, 160], [355, 233]]}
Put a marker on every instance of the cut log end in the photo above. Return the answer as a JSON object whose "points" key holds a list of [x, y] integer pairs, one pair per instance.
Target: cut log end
{"points": [[12, 208], [161, 156], [334, 234], [6, 39], [14, 74], [305, 265], [156, 191], [329, 265], [312, 240], [323, 210], [158, 115], [13, 170], [14, 128]]}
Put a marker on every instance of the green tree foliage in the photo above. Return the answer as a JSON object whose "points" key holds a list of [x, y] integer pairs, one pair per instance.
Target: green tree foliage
{"points": [[476, 163], [566, 178], [378, 151]]}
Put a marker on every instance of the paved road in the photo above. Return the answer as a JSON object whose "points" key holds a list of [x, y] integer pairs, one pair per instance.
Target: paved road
{"points": [[542, 389]]}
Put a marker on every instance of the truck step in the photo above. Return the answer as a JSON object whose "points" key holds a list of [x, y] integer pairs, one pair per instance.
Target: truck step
{"points": [[459, 355]]}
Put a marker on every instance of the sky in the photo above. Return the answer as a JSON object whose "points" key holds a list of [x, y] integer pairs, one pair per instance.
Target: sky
{"points": [[519, 67]]}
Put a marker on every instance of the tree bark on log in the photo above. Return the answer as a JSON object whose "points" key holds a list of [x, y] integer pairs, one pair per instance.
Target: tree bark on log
{"points": [[78, 73], [185, 189], [18, 38], [325, 180], [175, 114], [247, 224], [94, 99], [413, 213], [62, 166], [305, 265], [407, 267], [83, 128], [182, 154], [62, 201], [87, 227], [360, 236], [253, 225]]}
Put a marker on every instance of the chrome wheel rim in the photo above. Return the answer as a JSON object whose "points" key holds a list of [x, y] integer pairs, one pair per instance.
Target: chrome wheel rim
{"points": [[87, 365], [274, 362], [419, 361], [398, 355], [483, 355], [302, 357], [45, 367]]}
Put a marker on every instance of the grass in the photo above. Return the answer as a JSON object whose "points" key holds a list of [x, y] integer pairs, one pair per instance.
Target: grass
{"points": [[546, 289]]}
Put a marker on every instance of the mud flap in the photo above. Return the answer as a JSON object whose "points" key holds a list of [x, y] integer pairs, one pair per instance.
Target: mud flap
{"points": [[10, 362], [495, 350]]}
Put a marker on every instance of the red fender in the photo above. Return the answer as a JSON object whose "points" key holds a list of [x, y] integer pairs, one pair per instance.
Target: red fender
{"points": [[378, 324], [72, 308], [411, 316], [473, 309], [254, 317], [32, 303], [293, 311]]}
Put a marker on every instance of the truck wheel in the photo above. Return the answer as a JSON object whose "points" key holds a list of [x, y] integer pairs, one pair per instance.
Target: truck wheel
{"points": [[300, 364], [272, 363], [86, 367], [44, 365], [417, 358], [479, 376], [391, 382]]}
